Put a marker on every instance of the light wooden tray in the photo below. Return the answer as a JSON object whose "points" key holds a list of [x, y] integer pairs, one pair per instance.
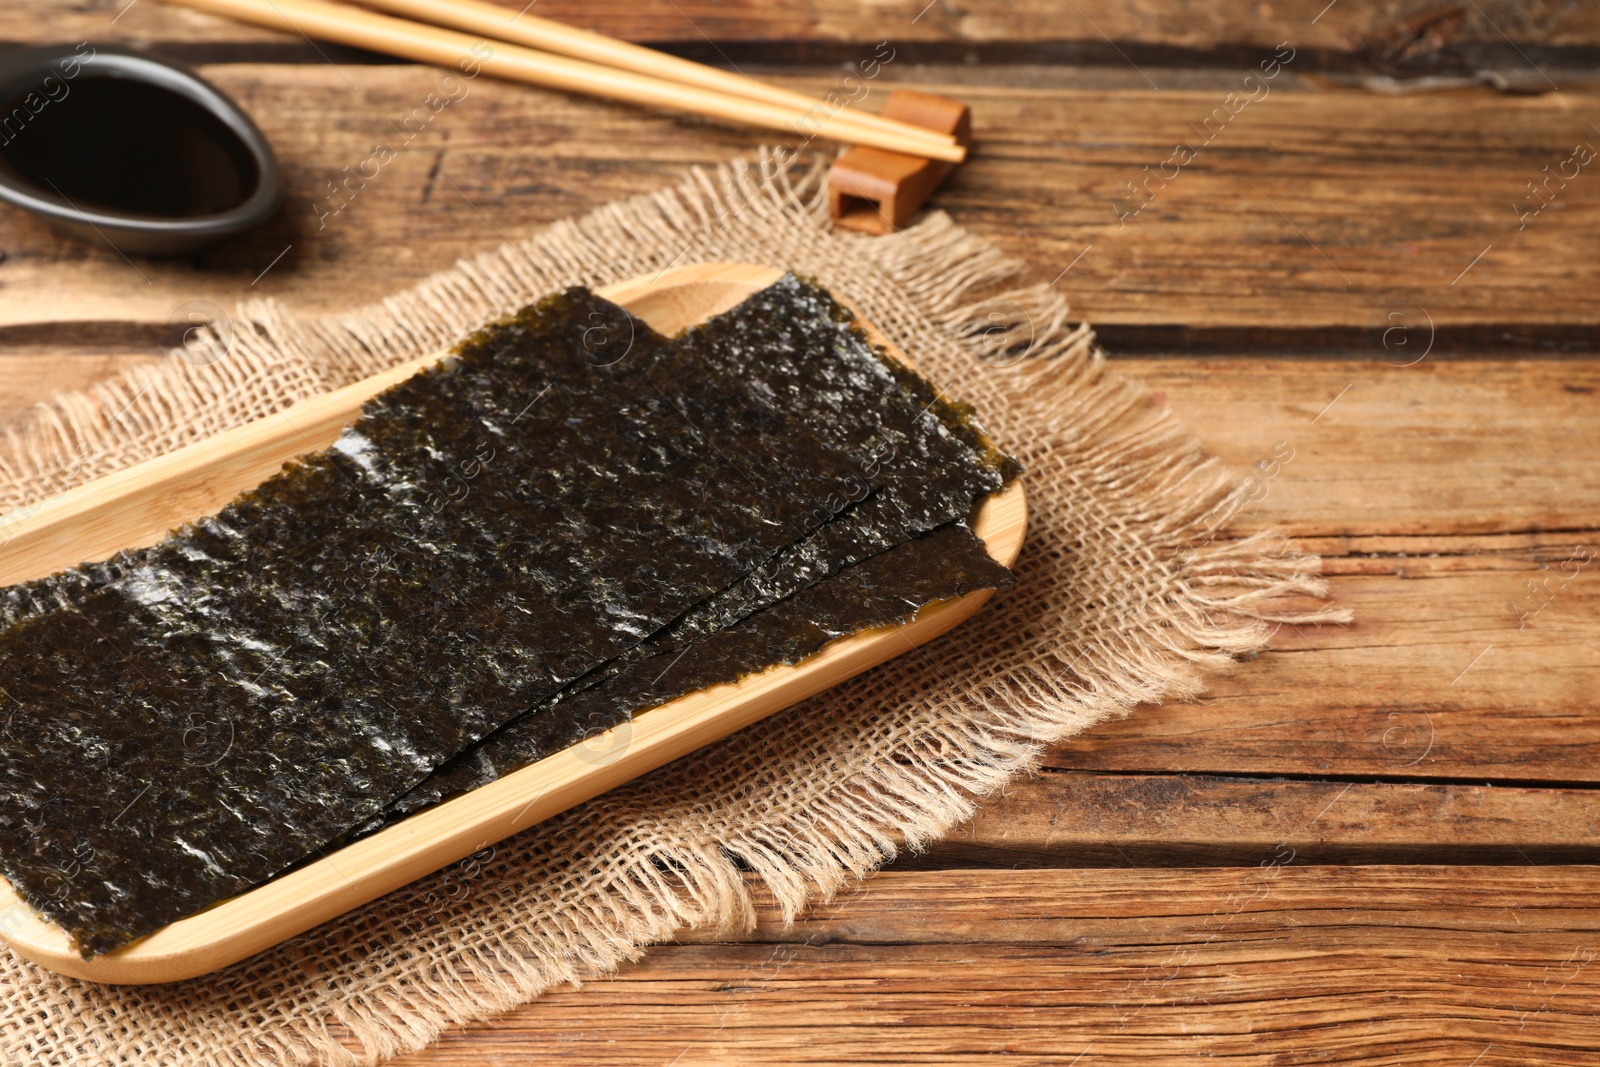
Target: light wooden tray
{"points": [[138, 505]]}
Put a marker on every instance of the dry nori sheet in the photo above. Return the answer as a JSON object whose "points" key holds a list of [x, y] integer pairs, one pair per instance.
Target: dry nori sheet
{"points": [[884, 590], [930, 463], [60, 590], [263, 681]]}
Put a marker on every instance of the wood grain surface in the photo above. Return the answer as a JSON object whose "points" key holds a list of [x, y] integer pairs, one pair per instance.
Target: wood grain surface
{"points": [[1278, 223], [1343, 273], [1263, 965]]}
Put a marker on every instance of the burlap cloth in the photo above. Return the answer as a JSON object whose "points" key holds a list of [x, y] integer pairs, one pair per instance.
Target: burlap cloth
{"points": [[1125, 596]]}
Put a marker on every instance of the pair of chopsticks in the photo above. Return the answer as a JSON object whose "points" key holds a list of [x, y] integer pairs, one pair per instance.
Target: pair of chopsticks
{"points": [[541, 52]]}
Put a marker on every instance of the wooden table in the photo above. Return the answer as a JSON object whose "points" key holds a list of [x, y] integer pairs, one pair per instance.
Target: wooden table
{"points": [[1368, 845]]}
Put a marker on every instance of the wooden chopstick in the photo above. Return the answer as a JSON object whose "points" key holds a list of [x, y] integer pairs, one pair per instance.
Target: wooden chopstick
{"points": [[448, 48], [498, 23]]}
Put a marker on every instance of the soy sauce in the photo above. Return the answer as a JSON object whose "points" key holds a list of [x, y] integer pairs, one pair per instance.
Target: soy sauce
{"points": [[116, 145]]}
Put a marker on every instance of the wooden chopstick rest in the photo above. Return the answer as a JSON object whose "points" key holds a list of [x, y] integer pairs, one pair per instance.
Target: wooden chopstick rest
{"points": [[877, 191]]}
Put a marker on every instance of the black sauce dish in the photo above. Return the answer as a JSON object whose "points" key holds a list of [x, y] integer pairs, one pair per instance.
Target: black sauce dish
{"points": [[129, 151]]}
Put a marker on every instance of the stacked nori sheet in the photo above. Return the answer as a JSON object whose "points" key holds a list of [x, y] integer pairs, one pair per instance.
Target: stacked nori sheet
{"points": [[572, 520], [890, 499]]}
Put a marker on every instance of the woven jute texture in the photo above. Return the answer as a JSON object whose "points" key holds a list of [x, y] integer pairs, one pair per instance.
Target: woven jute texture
{"points": [[1125, 595]]}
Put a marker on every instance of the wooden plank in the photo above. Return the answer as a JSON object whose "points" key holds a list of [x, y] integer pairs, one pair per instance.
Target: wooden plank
{"points": [[1472, 655], [1319, 209], [1083, 819], [1433, 680], [1281, 222], [1266, 965], [1407, 30], [1360, 447]]}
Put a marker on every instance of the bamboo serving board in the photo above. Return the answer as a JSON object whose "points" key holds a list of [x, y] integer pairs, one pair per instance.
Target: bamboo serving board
{"points": [[137, 506]]}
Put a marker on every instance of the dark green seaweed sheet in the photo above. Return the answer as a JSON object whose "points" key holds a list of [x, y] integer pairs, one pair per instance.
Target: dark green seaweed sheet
{"points": [[885, 590], [932, 463], [54, 591], [264, 681], [928, 467]]}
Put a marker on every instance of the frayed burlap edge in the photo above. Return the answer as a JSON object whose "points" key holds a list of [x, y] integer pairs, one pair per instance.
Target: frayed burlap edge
{"points": [[1126, 596]]}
